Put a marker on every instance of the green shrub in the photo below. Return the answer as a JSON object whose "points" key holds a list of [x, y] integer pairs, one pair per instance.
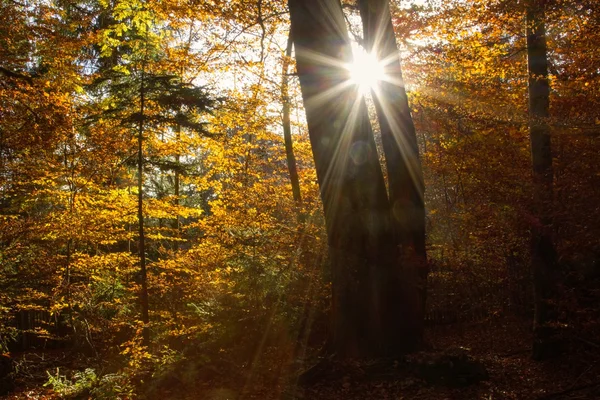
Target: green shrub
{"points": [[87, 383]]}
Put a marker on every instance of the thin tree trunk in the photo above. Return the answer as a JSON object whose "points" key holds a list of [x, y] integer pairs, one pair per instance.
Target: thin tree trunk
{"points": [[542, 247], [294, 179], [405, 177], [142, 243], [72, 196], [176, 182], [287, 127]]}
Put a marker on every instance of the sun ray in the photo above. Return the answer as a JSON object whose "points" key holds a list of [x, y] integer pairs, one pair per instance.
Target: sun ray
{"points": [[402, 142], [337, 75], [337, 168]]}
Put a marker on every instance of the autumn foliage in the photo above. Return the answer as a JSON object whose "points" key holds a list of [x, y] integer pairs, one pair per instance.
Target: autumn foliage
{"points": [[238, 276]]}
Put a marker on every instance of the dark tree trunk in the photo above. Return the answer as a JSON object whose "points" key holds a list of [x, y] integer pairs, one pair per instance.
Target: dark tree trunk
{"points": [[405, 177], [287, 126], [363, 250], [176, 183], [542, 247], [140, 215]]}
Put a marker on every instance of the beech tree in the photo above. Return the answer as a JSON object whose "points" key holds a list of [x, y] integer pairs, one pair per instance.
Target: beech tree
{"points": [[405, 177], [287, 127], [543, 254], [405, 180], [377, 307]]}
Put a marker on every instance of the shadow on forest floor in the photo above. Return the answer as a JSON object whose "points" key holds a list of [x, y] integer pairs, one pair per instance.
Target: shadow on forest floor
{"points": [[501, 345]]}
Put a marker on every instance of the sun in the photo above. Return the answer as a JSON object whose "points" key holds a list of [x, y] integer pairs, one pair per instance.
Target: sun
{"points": [[366, 71]]}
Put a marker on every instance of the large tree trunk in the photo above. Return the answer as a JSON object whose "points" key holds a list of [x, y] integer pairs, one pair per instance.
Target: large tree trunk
{"points": [[542, 247], [363, 250], [405, 177]]}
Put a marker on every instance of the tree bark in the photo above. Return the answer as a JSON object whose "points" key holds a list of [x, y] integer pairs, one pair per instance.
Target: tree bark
{"points": [[405, 176], [543, 254], [287, 126], [140, 215], [399, 140], [176, 182], [363, 252]]}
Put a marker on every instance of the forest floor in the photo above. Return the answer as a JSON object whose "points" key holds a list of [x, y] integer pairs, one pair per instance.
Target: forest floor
{"points": [[501, 344]]}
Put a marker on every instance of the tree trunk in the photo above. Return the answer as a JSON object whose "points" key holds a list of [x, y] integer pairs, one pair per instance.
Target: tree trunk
{"points": [[140, 215], [176, 183], [287, 126], [398, 136], [363, 251], [543, 254]]}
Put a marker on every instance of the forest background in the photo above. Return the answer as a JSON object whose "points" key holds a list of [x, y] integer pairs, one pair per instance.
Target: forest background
{"points": [[112, 110]]}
